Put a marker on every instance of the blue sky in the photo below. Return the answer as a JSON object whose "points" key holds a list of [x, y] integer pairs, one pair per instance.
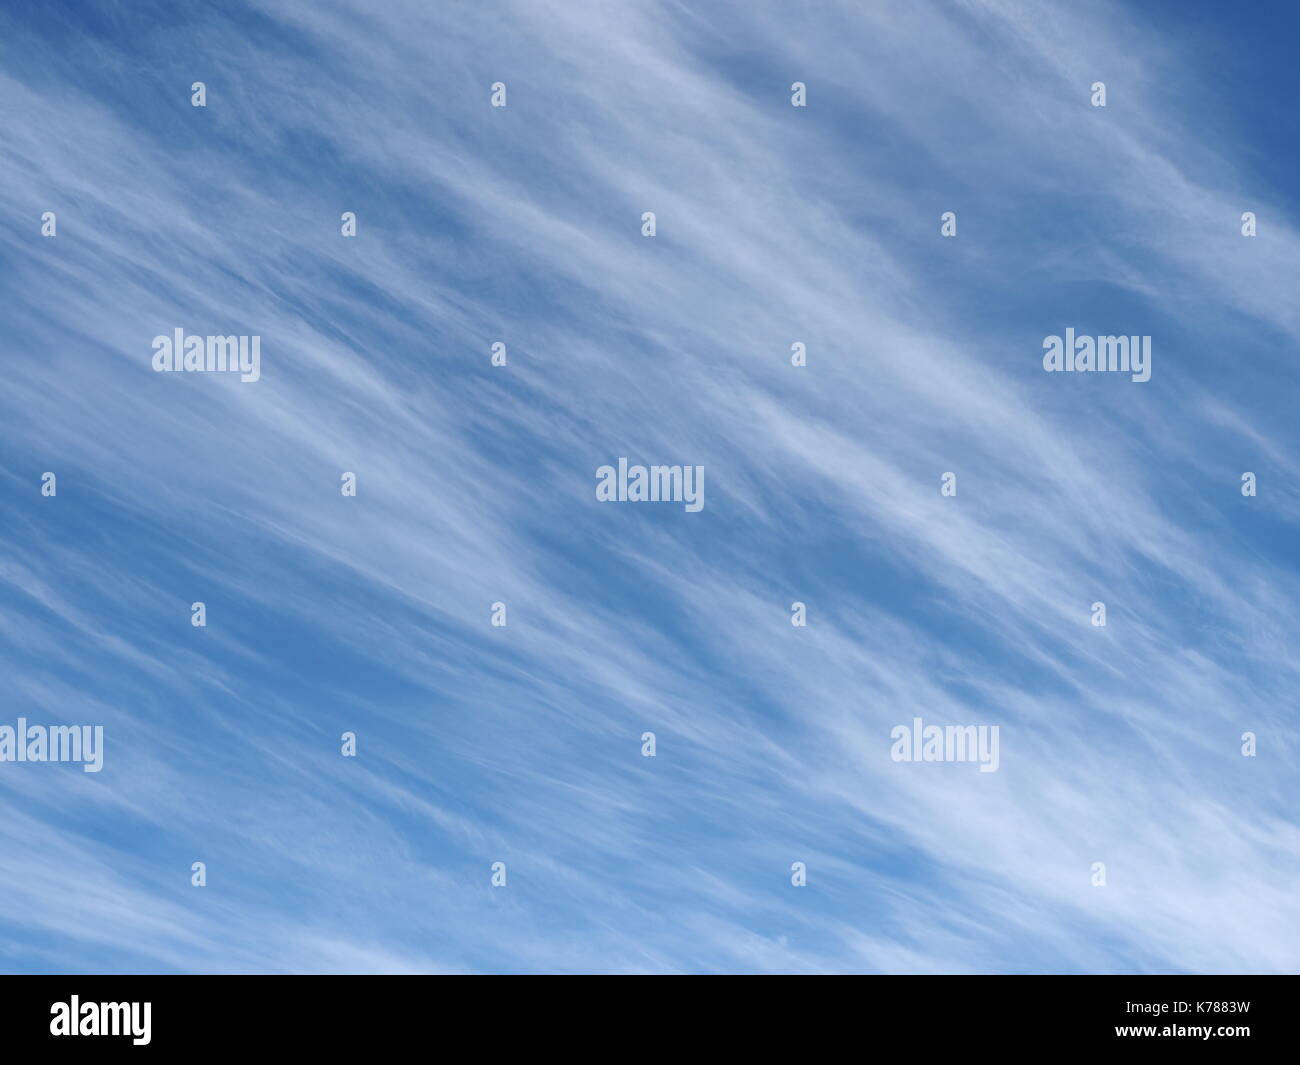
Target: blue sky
{"points": [[522, 744]]}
